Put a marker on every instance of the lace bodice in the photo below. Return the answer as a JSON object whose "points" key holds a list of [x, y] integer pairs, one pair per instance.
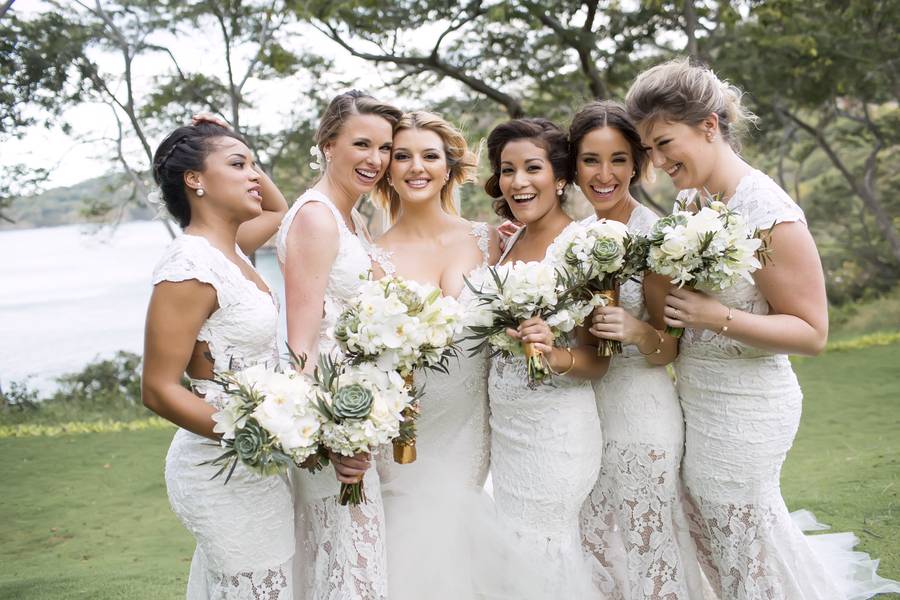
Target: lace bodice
{"points": [[351, 264], [763, 204], [631, 292], [452, 427], [242, 331]]}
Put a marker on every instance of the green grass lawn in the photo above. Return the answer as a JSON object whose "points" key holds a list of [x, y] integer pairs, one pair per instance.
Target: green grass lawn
{"points": [[86, 516]]}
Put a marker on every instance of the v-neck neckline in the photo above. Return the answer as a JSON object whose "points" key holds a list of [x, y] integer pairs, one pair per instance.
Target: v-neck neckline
{"points": [[266, 292]]}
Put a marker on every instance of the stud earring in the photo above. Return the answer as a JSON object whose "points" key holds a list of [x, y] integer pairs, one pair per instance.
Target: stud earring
{"points": [[200, 191]]}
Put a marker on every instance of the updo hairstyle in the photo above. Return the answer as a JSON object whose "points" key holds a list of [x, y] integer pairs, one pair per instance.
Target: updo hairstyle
{"points": [[183, 150], [343, 106], [681, 92], [607, 113], [541, 132]]}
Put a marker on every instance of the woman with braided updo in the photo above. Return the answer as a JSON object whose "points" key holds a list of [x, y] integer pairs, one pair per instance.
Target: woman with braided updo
{"points": [[211, 311]]}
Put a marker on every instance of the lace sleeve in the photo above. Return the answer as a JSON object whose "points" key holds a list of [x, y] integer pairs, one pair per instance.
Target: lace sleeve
{"points": [[186, 259], [765, 204], [382, 258], [482, 234]]}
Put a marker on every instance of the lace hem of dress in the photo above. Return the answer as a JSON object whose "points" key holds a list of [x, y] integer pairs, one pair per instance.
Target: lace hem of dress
{"points": [[348, 545], [271, 584], [630, 522]]}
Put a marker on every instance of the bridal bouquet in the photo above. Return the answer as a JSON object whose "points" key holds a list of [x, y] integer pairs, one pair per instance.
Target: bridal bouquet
{"points": [[362, 407], [400, 326], [508, 294], [269, 420], [601, 255], [709, 250]]}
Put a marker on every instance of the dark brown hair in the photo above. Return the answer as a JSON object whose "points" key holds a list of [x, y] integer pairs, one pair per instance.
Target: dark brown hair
{"points": [[183, 150], [543, 133], [607, 113]]}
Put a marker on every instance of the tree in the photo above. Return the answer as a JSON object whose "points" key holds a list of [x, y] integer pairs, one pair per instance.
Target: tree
{"points": [[824, 71]]}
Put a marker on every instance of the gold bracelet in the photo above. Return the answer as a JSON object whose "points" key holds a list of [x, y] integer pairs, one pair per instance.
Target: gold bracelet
{"points": [[658, 349], [728, 318], [571, 364]]}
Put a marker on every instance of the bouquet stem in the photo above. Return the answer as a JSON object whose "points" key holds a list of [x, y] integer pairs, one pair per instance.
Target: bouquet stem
{"points": [[675, 332], [352, 494], [534, 358], [609, 347], [405, 443]]}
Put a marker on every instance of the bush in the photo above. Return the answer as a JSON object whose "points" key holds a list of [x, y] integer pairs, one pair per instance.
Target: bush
{"points": [[107, 389]]}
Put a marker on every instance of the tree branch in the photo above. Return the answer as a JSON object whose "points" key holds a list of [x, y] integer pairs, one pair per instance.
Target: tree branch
{"points": [[860, 188], [432, 63]]}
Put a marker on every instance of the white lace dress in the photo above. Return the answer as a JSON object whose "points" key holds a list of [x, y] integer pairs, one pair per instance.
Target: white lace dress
{"points": [[635, 520], [435, 507], [340, 554], [245, 529], [546, 447], [742, 409]]}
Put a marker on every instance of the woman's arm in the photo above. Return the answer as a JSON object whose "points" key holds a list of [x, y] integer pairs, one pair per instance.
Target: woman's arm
{"points": [[616, 323], [254, 233], [312, 246], [174, 317], [794, 286], [580, 361]]}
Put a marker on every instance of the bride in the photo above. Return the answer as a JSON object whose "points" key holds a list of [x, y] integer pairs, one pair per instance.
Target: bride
{"points": [[442, 540]]}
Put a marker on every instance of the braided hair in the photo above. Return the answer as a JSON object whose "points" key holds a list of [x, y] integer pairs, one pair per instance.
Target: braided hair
{"points": [[183, 150]]}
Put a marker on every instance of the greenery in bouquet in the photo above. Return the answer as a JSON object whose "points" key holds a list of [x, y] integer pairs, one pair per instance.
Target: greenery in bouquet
{"points": [[362, 408], [506, 295], [268, 421], [401, 325], [709, 250], [601, 255]]}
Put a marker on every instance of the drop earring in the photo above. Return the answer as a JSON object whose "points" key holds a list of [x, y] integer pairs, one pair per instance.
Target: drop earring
{"points": [[200, 191]]}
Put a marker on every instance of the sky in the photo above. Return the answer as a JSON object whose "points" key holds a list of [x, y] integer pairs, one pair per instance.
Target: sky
{"points": [[87, 152]]}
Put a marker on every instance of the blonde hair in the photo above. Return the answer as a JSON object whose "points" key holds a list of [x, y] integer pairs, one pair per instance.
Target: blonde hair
{"points": [[681, 92], [462, 162], [343, 106]]}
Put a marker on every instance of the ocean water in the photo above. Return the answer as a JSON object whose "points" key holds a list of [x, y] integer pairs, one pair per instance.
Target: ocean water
{"points": [[71, 294]]}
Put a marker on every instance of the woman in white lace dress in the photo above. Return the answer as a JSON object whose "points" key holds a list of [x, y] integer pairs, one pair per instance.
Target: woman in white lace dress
{"points": [[546, 443], [321, 246], [740, 397], [435, 507], [635, 519], [210, 312]]}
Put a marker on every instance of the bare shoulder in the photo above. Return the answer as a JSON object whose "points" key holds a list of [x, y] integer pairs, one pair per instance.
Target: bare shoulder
{"points": [[314, 218]]}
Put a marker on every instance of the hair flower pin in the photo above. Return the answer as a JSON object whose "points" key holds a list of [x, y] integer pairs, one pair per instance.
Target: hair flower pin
{"points": [[319, 159]]}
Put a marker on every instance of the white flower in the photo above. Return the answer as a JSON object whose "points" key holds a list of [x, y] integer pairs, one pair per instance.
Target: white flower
{"points": [[319, 162]]}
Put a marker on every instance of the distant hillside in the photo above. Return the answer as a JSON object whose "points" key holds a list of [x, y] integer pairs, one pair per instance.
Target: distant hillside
{"points": [[85, 202]]}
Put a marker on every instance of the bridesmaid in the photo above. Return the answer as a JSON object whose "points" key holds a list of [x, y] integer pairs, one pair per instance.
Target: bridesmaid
{"points": [[322, 249], [545, 442], [636, 511], [740, 397], [210, 312]]}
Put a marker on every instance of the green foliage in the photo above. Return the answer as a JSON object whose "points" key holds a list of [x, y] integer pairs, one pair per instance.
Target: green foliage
{"points": [[105, 389], [39, 66]]}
